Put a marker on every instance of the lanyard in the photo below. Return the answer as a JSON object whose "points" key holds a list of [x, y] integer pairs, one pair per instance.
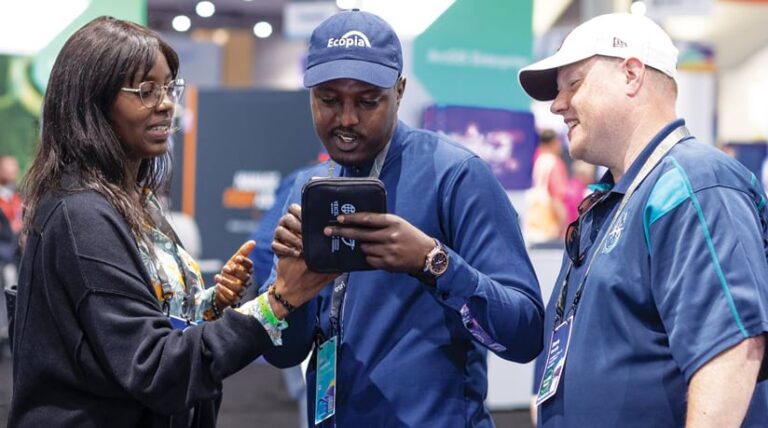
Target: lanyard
{"points": [[677, 135], [340, 283], [187, 278], [187, 304]]}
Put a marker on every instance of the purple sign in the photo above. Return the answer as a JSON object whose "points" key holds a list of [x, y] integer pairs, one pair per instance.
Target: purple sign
{"points": [[505, 139]]}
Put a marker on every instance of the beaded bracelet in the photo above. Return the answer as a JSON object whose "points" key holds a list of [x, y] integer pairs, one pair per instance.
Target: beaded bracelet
{"points": [[281, 299]]}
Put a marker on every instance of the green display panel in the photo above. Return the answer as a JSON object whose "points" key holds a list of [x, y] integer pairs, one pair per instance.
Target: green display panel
{"points": [[471, 54], [23, 78]]}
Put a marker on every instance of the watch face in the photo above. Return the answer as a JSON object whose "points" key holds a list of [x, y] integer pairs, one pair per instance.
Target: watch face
{"points": [[439, 263]]}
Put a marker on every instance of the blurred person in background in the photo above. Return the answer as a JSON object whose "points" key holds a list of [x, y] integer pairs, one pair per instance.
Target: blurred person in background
{"points": [[10, 229], [659, 314], [545, 213], [582, 176], [10, 199], [109, 324], [11, 211]]}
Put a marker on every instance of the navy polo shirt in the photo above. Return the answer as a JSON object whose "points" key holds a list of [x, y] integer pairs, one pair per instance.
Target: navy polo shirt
{"points": [[682, 277]]}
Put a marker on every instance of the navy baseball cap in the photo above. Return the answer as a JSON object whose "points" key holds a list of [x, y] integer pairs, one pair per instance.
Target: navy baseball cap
{"points": [[354, 45]]}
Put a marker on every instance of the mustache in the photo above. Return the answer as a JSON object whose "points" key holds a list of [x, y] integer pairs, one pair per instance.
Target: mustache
{"points": [[346, 131]]}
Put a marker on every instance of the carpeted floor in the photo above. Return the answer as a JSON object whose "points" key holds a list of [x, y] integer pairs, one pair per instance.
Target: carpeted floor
{"points": [[254, 398]]}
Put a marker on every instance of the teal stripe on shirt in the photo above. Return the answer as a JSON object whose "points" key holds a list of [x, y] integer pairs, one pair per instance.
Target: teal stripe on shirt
{"points": [[668, 192], [711, 247]]}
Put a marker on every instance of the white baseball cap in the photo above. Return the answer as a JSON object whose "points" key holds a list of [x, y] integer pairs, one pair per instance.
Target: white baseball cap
{"points": [[620, 35]]}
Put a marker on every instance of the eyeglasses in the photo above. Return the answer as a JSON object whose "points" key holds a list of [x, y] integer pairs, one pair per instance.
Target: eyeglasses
{"points": [[573, 232], [152, 94]]}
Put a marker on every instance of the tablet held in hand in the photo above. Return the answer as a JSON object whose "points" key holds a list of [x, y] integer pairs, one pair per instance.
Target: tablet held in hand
{"points": [[322, 201]]}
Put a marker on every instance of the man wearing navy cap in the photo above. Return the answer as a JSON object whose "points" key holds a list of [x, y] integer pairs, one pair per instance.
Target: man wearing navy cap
{"points": [[660, 311], [409, 340]]}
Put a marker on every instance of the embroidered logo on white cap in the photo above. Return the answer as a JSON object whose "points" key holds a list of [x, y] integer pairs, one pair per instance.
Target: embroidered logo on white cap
{"points": [[350, 38], [619, 35]]}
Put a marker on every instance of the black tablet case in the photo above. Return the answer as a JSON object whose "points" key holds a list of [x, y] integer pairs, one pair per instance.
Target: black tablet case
{"points": [[322, 199]]}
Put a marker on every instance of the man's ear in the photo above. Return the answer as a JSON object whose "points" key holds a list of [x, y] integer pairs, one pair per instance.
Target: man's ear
{"points": [[634, 74], [400, 89]]}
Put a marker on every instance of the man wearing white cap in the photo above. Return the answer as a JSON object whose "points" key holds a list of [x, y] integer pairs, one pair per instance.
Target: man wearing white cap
{"points": [[661, 309]]}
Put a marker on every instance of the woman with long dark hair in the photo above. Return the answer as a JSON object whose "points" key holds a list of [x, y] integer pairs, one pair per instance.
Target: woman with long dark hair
{"points": [[109, 324]]}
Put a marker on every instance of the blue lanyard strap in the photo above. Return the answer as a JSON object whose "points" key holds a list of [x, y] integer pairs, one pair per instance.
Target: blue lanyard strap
{"points": [[337, 299]]}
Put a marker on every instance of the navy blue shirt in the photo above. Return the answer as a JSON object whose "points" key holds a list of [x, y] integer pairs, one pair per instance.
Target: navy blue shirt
{"points": [[262, 255], [407, 357], [682, 278]]}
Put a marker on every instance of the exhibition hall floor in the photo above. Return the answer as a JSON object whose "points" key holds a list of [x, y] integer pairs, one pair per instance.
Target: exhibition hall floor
{"points": [[255, 398]]}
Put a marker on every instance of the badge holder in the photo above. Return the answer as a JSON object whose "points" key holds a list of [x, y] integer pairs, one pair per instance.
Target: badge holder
{"points": [[179, 323], [325, 392], [553, 370]]}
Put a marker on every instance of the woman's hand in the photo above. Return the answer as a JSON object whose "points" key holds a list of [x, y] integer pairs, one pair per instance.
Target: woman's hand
{"points": [[234, 277]]}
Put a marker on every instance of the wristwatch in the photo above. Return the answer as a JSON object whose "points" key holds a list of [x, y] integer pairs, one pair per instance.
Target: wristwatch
{"points": [[437, 261]]}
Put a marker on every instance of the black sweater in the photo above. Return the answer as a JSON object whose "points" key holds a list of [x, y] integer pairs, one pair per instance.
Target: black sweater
{"points": [[92, 347]]}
